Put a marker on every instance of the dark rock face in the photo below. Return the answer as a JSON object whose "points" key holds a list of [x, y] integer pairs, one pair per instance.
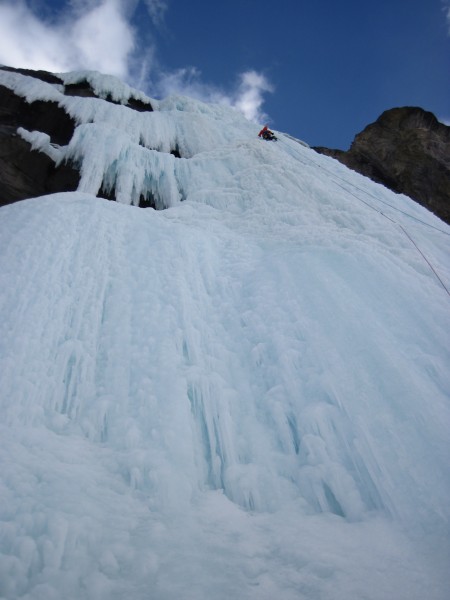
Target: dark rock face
{"points": [[27, 173], [407, 150], [47, 117], [83, 89], [42, 75]]}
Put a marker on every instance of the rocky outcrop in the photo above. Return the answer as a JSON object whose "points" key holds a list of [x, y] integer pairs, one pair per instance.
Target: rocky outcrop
{"points": [[81, 88], [47, 117], [27, 173], [407, 150], [84, 89]]}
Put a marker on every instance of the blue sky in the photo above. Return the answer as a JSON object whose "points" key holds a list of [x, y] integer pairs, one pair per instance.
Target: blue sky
{"points": [[320, 70]]}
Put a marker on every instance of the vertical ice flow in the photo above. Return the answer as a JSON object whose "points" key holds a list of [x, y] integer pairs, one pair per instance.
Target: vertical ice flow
{"points": [[244, 395]]}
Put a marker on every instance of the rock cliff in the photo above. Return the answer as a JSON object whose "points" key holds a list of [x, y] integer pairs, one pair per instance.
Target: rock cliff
{"points": [[407, 150]]}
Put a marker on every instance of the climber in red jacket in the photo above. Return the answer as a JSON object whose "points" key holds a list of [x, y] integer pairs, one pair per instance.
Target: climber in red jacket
{"points": [[266, 134]]}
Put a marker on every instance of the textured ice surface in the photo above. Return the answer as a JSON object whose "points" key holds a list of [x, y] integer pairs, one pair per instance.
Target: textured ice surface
{"points": [[243, 396]]}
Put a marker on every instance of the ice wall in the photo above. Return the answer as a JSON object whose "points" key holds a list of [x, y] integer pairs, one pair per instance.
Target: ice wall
{"points": [[243, 396]]}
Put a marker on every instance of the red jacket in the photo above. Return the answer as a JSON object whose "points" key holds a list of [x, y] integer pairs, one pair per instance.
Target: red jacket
{"points": [[265, 128]]}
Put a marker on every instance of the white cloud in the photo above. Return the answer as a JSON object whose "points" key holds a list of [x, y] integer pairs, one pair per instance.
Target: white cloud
{"points": [[103, 39], [25, 41], [98, 35], [187, 82], [92, 35], [247, 96], [250, 95]]}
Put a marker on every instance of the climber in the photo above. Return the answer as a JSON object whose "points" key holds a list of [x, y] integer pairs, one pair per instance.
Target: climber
{"points": [[266, 134]]}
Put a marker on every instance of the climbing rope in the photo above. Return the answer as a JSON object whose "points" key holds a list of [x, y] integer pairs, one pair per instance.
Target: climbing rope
{"points": [[333, 176], [392, 206], [424, 257]]}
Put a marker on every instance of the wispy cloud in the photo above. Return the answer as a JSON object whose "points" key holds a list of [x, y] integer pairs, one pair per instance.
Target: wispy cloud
{"points": [[157, 10], [99, 35], [446, 9], [26, 41], [90, 35], [104, 38], [247, 95], [250, 95]]}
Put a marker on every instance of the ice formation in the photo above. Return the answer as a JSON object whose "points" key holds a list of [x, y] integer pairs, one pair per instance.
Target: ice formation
{"points": [[243, 396]]}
